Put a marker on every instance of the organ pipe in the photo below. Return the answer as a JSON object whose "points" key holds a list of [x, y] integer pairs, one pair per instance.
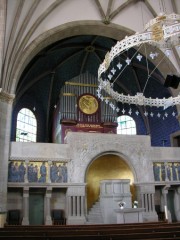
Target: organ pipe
{"points": [[84, 83]]}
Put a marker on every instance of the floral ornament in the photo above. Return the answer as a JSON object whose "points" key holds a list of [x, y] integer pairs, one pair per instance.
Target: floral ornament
{"points": [[121, 204], [135, 204]]}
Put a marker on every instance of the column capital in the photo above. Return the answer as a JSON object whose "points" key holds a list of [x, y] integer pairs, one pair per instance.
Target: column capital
{"points": [[49, 192], [49, 162], [26, 192], [6, 97], [165, 189], [178, 190]]}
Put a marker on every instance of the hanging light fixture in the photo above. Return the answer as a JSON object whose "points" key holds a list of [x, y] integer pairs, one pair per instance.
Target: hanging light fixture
{"points": [[163, 32]]}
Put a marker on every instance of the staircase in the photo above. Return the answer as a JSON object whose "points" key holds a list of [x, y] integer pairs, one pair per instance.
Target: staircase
{"points": [[94, 216]]}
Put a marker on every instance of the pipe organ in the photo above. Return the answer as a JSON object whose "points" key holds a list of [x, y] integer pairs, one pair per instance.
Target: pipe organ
{"points": [[81, 110]]}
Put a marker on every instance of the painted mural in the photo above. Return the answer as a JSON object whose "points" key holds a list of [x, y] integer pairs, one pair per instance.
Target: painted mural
{"points": [[166, 171], [37, 172]]}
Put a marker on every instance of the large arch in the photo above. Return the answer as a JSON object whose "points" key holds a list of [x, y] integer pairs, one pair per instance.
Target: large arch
{"points": [[66, 30], [89, 147], [106, 166]]}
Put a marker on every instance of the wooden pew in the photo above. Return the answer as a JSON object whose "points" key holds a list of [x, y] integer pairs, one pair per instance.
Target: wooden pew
{"points": [[151, 231]]}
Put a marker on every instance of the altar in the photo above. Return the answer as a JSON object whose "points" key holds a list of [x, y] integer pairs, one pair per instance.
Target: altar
{"points": [[129, 215]]}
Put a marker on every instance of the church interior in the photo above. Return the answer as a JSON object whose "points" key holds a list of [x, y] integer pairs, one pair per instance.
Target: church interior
{"points": [[89, 112]]}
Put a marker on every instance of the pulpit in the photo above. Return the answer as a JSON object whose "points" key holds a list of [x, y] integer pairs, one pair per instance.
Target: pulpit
{"points": [[111, 193], [116, 202]]}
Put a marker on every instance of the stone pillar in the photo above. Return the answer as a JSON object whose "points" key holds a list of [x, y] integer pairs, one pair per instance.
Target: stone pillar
{"points": [[177, 203], [166, 176], [48, 219], [166, 210], [145, 195], [25, 220], [2, 30], [26, 174], [6, 101], [76, 204], [49, 172]]}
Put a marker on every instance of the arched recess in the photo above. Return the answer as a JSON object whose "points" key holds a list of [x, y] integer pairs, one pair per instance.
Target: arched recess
{"points": [[106, 166]]}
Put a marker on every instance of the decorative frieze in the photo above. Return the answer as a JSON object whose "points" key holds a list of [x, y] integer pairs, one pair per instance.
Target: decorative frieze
{"points": [[42, 159]]}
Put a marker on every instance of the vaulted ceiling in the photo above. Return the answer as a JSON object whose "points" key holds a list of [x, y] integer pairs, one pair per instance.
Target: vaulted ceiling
{"points": [[39, 68]]}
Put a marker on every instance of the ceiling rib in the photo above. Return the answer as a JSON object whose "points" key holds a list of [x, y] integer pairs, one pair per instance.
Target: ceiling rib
{"points": [[19, 52], [174, 6], [84, 62], [10, 42], [109, 10], [121, 7], [100, 9], [151, 9]]}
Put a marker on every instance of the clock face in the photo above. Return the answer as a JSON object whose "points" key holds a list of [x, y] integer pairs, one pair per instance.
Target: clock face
{"points": [[88, 104]]}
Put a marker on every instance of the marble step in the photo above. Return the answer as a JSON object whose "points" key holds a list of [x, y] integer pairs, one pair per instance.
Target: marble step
{"points": [[94, 215]]}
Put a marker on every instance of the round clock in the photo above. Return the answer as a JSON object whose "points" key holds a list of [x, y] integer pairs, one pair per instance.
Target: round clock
{"points": [[88, 104]]}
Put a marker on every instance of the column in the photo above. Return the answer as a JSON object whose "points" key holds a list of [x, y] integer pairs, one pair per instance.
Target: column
{"points": [[145, 193], [146, 202], [25, 220], [48, 219], [177, 203], [74, 206], [26, 174], [142, 200], [2, 30], [166, 210], [75, 203], [69, 207], [78, 205], [166, 176], [153, 204], [82, 206], [150, 201], [49, 172], [6, 101]]}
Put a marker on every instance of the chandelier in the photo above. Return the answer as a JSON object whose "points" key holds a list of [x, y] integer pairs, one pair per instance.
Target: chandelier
{"points": [[162, 32]]}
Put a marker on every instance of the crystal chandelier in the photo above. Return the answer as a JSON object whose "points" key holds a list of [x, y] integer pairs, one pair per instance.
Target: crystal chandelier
{"points": [[162, 32]]}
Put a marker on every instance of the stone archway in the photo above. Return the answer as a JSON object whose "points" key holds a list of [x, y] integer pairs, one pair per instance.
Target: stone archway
{"points": [[85, 27], [108, 166]]}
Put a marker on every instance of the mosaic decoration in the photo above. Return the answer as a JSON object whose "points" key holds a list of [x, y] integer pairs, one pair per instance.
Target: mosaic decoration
{"points": [[58, 172], [37, 172], [166, 171], [16, 172]]}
